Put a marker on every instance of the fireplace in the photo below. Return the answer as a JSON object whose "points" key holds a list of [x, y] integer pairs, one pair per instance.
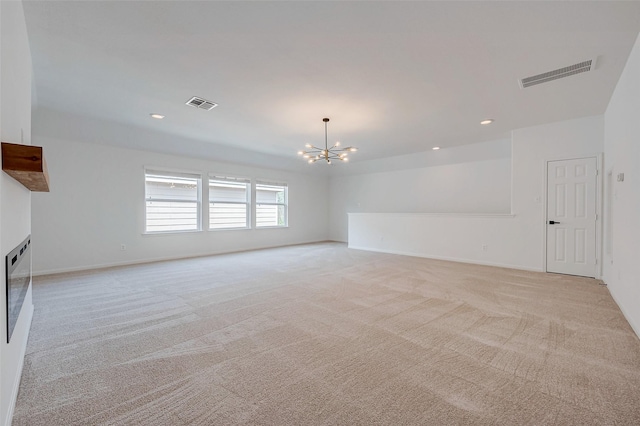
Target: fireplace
{"points": [[18, 268]]}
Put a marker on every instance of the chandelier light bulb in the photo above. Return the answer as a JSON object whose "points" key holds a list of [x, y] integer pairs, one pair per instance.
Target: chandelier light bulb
{"points": [[338, 143], [308, 145]]}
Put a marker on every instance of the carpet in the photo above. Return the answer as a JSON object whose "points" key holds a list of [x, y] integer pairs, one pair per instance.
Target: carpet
{"points": [[320, 334]]}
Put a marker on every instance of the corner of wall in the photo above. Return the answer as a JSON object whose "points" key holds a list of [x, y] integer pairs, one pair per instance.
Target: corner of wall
{"points": [[622, 156]]}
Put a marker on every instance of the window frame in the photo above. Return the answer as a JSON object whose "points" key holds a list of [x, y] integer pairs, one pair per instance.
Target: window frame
{"points": [[284, 204], [248, 205], [169, 173]]}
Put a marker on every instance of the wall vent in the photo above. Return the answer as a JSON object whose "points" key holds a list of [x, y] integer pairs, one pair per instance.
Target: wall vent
{"points": [[570, 70], [201, 103]]}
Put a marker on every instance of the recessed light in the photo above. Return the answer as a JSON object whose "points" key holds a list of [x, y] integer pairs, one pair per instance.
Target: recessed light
{"points": [[435, 148], [157, 116], [487, 121]]}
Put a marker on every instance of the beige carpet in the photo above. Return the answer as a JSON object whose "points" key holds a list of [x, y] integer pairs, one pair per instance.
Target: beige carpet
{"points": [[320, 334]]}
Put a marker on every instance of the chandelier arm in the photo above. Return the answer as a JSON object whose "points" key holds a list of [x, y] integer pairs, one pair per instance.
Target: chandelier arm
{"points": [[336, 152]]}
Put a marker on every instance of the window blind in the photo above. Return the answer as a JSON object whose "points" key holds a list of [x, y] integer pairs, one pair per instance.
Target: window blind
{"points": [[228, 202], [171, 201]]}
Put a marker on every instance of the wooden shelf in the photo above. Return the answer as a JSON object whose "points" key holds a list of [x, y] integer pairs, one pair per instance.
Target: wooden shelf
{"points": [[25, 163]]}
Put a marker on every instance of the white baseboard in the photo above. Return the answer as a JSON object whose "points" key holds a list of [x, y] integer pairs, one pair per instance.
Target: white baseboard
{"points": [[634, 327], [159, 259], [16, 380], [450, 259]]}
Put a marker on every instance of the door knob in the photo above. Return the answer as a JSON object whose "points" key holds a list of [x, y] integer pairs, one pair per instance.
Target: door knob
{"points": [[552, 222]]}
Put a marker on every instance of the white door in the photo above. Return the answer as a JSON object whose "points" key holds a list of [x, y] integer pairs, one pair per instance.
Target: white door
{"points": [[571, 216]]}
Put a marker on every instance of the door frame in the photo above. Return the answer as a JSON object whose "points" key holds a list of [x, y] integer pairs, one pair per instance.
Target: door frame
{"points": [[599, 201]]}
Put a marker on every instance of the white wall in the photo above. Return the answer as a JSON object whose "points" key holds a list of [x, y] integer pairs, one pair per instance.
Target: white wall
{"points": [[15, 199], [96, 204], [66, 126], [532, 148], [467, 179], [516, 241], [473, 238], [622, 155]]}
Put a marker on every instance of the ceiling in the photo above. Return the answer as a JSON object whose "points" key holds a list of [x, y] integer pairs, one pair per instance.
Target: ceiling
{"points": [[394, 77]]}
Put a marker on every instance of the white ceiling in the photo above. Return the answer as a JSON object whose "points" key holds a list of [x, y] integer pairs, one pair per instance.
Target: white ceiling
{"points": [[394, 77]]}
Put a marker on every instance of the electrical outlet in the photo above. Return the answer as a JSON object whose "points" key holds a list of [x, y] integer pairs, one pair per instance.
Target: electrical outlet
{"points": [[123, 247]]}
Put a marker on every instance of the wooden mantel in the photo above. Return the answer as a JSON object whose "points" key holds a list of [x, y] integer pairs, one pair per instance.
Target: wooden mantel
{"points": [[25, 163]]}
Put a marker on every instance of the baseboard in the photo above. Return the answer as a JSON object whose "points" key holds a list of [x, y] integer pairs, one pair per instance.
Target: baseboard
{"points": [[450, 259], [634, 327], [162, 259], [16, 380]]}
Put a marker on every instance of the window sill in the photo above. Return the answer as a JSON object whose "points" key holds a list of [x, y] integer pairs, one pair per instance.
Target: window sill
{"points": [[228, 229], [272, 227]]}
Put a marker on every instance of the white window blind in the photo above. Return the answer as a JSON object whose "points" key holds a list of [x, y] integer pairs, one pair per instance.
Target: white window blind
{"points": [[229, 202], [271, 204], [172, 201]]}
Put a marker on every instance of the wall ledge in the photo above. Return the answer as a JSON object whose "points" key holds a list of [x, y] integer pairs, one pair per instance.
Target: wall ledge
{"points": [[460, 215]]}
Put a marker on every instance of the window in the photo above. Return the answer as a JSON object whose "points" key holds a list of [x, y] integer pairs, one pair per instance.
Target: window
{"points": [[271, 204], [228, 202], [172, 201]]}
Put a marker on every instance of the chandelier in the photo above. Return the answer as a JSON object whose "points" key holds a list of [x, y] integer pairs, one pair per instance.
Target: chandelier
{"points": [[313, 153]]}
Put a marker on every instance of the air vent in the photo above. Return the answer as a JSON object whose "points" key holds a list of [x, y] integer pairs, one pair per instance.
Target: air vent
{"points": [[581, 67], [201, 103]]}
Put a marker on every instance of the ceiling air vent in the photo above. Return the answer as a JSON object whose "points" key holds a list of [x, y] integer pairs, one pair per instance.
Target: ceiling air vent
{"points": [[585, 66], [201, 103]]}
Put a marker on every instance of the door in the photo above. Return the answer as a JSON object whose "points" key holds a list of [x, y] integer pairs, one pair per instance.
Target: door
{"points": [[571, 216]]}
